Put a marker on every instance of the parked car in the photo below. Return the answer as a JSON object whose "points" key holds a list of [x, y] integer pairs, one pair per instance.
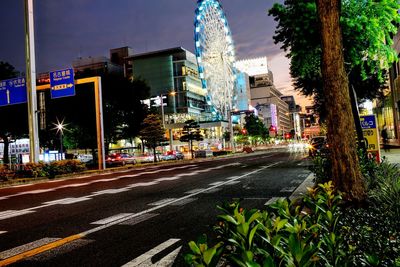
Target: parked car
{"points": [[114, 159], [172, 155], [318, 145]]}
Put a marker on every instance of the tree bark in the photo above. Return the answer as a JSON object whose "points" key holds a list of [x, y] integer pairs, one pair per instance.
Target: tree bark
{"points": [[346, 174]]}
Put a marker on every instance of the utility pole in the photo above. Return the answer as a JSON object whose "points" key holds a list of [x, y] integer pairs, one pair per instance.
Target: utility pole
{"points": [[31, 82]]}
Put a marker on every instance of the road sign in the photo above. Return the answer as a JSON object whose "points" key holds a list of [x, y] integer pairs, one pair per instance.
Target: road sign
{"points": [[62, 83], [371, 137], [13, 91]]}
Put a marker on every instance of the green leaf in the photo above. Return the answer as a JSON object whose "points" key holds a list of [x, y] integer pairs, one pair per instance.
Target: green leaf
{"points": [[193, 247]]}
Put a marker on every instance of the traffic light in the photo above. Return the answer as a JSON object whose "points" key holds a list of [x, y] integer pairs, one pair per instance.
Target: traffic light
{"points": [[287, 135], [244, 131], [272, 128]]}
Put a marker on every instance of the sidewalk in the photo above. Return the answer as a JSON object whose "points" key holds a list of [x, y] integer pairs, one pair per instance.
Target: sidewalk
{"points": [[392, 155]]}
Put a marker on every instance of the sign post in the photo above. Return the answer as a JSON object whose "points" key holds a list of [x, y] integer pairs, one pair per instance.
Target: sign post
{"points": [[31, 82], [371, 136]]}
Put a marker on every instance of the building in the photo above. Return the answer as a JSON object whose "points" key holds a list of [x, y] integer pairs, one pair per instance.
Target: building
{"points": [[264, 96], [171, 73], [294, 115]]}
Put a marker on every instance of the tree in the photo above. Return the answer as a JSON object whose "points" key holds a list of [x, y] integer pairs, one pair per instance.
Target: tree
{"points": [[255, 127], [152, 132], [366, 28], [191, 131], [346, 173], [361, 53], [11, 126]]}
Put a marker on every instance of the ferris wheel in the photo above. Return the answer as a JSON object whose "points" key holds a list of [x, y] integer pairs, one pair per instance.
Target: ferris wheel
{"points": [[215, 55]]}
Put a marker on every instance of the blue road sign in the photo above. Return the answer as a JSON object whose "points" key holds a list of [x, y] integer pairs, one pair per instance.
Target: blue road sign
{"points": [[13, 91], [62, 83], [368, 121]]}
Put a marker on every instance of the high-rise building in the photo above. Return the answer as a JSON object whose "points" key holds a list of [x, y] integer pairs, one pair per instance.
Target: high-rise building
{"points": [[264, 96], [173, 74]]}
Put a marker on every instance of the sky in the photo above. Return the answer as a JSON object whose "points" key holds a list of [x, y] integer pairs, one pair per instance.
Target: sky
{"points": [[68, 29]]}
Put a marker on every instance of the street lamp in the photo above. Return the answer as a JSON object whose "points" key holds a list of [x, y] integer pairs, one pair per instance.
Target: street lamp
{"points": [[60, 127]]}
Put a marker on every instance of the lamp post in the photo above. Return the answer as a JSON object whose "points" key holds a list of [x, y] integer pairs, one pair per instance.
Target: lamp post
{"points": [[60, 127]]}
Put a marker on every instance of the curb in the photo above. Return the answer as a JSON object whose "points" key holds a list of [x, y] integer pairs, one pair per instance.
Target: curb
{"points": [[302, 188]]}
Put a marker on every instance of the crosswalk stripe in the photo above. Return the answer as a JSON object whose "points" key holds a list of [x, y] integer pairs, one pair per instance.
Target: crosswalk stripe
{"points": [[145, 259]]}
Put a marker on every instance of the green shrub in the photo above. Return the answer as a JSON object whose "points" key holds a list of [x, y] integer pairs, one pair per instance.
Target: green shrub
{"points": [[5, 172], [374, 236], [282, 235], [50, 170], [384, 188]]}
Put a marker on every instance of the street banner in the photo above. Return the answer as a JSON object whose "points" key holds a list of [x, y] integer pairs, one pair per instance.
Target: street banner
{"points": [[371, 136]]}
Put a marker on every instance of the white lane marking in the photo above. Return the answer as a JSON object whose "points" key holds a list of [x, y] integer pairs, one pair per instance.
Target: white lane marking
{"points": [[296, 181], [194, 191], [101, 227], [233, 182], [142, 184], [67, 201], [288, 189], [109, 191], [303, 175], [273, 200], [39, 191], [184, 202], [139, 219], [32, 245], [217, 183], [13, 213], [2, 198], [145, 259], [3, 232], [112, 218], [169, 259], [95, 181], [212, 190], [168, 178], [231, 178], [161, 202]]}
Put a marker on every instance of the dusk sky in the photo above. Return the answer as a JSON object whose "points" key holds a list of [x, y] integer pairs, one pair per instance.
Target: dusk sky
{"points": [[68, 29]]}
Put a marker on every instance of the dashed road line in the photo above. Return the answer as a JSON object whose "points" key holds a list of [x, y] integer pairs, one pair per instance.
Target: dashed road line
{"points": [[139, 219], [60, 242], [112, 218], [162, 202], [67, 201]]}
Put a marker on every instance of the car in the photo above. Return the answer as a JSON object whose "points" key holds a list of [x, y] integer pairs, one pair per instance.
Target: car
{"points": [[128, 158], [318, 145], [114, 159], [172, 155]]}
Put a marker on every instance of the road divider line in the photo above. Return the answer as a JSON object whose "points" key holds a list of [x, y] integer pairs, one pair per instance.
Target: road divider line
{"points": [[39, 250], [71, 238], [3, 232]]}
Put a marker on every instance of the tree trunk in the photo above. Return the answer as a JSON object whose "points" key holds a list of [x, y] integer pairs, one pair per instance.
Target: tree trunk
{"points": [[154, 153], [6, 158], [341, 134]]}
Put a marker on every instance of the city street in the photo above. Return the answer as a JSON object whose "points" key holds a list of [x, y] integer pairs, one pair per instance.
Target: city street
{"points": [[137, 217]]}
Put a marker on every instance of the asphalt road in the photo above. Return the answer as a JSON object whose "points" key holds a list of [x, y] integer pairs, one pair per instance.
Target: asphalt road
{"points": [[136, 217]]}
